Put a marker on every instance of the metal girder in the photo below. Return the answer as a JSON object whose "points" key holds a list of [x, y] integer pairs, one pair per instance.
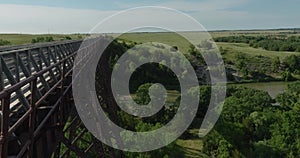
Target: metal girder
{"points": [[27, 72], [37, 69], [65, 53], [47, 63], [12, 81], [54, 59]]}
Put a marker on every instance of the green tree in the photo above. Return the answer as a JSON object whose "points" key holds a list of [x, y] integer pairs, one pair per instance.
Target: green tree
{"points": [[244, 72], [170, 150], [68, 38], [193, 50], [275, 64], [243, 121], [4, 42], [292, 62], [142, 94], [287, 75], [49, 39]]}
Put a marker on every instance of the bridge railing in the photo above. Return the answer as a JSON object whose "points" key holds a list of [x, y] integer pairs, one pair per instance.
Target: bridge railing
{"points": [[20, 62], [28, 75]]}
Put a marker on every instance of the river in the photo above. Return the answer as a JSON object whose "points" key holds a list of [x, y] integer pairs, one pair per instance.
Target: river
{"points": [[273, 88]]}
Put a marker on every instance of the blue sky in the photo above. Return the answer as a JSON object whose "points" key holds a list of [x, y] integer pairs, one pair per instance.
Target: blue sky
{"points": [[70, 16]]}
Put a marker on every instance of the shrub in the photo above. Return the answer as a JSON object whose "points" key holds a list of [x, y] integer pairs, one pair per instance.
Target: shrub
{"points": [[4, 42]]}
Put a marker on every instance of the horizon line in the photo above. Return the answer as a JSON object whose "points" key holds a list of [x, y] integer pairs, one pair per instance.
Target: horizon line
{"points": [[212, 30]]}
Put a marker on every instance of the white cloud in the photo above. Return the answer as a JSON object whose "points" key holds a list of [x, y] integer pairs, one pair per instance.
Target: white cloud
{"points": [[188, 6], [215, 14], [157, 17], [212, 14], [39, 19]]}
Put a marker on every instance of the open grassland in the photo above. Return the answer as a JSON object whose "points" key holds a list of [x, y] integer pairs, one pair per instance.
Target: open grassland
{"points": [[288, 32], [174, 39], [17, 39], [235, 48], [191, 147], [168, 38], [182, 40]]}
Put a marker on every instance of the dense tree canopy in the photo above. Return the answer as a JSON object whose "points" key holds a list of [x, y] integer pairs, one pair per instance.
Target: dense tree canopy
{"points": [[251, 126], [272, 43]]}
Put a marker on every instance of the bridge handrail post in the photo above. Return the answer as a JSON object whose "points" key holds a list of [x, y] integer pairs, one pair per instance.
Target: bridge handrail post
{"points": [[33, 88], [63, 73], [5, 102]]}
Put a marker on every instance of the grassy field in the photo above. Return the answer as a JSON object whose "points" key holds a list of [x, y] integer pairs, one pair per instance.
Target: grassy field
{"points": [[168, 38], [17, 39], [191, 147], [234, 48], [288, 32], [174, 39]]}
